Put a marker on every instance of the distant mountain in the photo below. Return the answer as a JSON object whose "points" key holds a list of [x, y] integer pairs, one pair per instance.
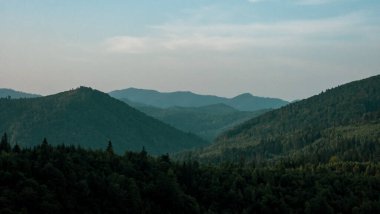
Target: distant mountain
{"points": [[244, 102], [5, 93], [340, 124], [248, 102], [89, 118], [206, 121]]}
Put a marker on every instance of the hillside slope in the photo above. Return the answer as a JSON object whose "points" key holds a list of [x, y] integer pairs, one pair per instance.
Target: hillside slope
{"points": [[340, 124], [243, 102], [89, 118]]}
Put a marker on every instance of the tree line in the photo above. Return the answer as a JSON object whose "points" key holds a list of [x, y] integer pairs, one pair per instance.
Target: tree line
{"points": [[71, 179]]}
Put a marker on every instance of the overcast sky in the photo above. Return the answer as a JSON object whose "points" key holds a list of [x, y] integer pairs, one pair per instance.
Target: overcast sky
{"points": [[289, 49]]}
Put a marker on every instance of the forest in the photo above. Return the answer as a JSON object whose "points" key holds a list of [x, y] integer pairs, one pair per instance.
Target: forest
{"points": [[340, 123], [70, 179]]}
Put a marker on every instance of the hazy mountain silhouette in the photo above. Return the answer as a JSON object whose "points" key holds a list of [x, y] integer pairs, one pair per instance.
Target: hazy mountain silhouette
{"points": [[244, 102], [13, 94]]}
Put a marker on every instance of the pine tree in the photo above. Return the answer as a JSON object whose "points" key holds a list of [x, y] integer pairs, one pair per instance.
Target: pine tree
{"points": [[45, 149], [109, 148], [44, 142], [143, 152], [4, 145]]}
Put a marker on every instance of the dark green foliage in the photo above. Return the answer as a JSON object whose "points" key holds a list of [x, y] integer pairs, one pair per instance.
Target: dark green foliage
{"points": [[342, 123], [206, 121], [16, 149], [109, 149], [89, 118], [243, 102], [4, 144], [68, 179], [45, 143]]}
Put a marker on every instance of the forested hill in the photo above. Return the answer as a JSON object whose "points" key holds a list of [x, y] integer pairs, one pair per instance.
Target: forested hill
{"points": [[89, 118], [342, 123], [243, 102], [12, 94]]}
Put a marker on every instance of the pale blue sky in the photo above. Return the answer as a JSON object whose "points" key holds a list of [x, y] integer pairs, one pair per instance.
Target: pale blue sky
{"points": [[280, 48]]}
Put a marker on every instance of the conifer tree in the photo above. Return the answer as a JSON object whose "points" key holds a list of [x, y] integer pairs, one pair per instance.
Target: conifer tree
{"points": [[109, 148], [44, 142], [4, 145]]}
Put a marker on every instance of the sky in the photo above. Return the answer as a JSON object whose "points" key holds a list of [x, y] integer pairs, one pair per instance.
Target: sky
{"points": [[290, 49]]}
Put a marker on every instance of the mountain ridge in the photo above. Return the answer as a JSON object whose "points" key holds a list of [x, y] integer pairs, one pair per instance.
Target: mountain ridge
{"points": [[243, 102]]}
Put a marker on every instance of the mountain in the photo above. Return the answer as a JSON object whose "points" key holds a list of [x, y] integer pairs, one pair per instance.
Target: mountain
{"points": [[244, 102], [248, 102], [5, 93], [206, 121], [89, 118], [342, 123]]}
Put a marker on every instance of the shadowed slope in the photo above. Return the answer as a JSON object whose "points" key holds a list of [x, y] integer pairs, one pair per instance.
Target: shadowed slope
{"points": [[342, 123]]}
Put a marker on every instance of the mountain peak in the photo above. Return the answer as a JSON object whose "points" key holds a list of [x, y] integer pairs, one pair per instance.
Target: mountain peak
{"points": [[244, 95], [89, 118], [81, 91]]}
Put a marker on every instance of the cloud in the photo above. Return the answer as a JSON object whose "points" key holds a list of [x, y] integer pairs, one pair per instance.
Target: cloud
{"points": [[128, 44], [139, 45], [314, 2], [300, 2], [236, 37], [256, 1]]}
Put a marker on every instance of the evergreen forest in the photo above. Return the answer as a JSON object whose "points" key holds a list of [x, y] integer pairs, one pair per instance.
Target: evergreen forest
{"points": [[69, 179]]}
